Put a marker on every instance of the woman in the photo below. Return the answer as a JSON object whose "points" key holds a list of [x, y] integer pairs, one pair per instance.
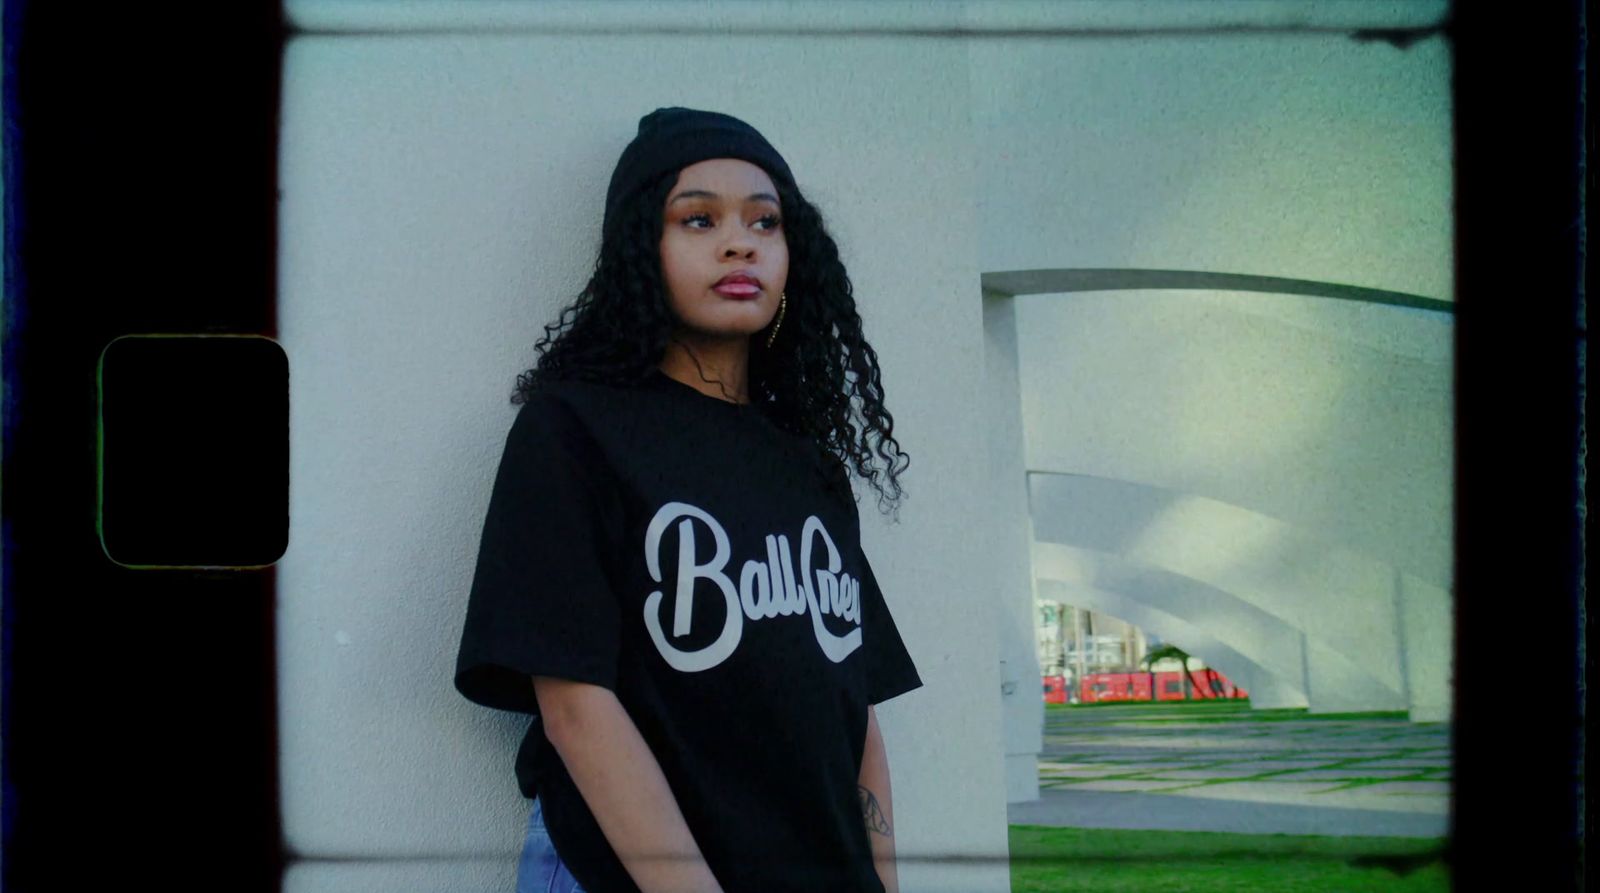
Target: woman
{"points": [[670, 575]]}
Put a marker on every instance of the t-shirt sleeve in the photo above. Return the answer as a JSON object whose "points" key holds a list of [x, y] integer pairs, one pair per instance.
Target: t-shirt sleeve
{"points": [[890, 670], [542, 602]]}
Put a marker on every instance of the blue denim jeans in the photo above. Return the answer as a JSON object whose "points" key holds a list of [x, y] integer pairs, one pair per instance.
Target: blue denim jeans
{"points": [[540, 870]]}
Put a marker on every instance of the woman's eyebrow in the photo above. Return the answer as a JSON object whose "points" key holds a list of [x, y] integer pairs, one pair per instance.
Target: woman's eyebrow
{"points": [[701, 193]]}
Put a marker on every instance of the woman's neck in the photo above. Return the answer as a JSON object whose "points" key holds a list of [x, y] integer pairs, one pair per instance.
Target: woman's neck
{"points": [[715, 367]]}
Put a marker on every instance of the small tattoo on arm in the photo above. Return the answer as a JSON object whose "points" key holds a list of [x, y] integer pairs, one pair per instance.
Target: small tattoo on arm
{"points": [[872, 813]]}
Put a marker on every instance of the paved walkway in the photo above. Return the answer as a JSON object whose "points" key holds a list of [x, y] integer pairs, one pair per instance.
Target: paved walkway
{"points": [[1225, 769]]}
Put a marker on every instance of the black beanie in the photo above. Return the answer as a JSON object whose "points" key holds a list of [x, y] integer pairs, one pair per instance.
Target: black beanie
{"points": [[671, 139]]}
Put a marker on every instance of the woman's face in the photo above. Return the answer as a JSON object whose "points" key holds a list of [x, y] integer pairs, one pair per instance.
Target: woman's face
{"points": [[722, 220]]}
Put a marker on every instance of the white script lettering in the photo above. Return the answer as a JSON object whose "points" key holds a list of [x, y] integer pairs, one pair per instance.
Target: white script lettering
{"points": [[766, 589]]}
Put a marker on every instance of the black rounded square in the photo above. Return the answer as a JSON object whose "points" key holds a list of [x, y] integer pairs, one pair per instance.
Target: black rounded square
{"points": [[194, 451]]}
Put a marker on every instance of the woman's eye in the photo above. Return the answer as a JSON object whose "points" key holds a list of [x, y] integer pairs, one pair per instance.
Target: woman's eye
{"points": [[768, 222]]}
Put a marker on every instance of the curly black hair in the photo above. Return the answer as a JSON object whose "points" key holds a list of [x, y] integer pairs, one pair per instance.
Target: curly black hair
{"points": [[819, 378]]}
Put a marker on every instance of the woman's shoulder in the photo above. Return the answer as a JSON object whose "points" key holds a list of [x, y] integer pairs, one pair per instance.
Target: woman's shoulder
{"points": [[549, 394], [574, 410]]}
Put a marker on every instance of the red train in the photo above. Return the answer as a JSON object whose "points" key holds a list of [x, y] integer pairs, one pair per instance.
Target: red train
{"points": [[1205, 684]]}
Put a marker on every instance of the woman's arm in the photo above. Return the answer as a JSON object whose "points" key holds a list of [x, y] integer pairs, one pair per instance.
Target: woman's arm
{"points": [[877, 805], [623, 786]]}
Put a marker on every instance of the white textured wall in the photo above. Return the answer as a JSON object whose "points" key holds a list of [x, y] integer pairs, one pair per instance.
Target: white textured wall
{"points": [[441, 201]]}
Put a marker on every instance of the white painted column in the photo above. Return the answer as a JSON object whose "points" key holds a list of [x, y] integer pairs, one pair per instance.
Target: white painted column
{"points": [[1021, 701]]}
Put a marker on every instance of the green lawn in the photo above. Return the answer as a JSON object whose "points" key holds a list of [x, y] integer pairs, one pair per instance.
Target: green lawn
{"points": [[1059, 860]]}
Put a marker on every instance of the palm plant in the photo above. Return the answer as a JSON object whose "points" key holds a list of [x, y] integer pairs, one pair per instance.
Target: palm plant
{"points": [[1162, 652]]}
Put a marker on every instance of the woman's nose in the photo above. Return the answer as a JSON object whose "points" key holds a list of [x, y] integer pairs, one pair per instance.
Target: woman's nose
{"points": [[739, 242]]}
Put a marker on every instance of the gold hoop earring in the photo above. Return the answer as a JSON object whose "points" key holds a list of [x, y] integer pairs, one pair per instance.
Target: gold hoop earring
{"points": [[783, 302]]}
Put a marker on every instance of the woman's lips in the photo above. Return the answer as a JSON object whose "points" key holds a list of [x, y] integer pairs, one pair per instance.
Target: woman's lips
{"points": [[738, 289]]}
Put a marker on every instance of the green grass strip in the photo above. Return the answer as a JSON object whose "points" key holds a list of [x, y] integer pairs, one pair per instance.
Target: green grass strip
{"points": [[1064, 860]]}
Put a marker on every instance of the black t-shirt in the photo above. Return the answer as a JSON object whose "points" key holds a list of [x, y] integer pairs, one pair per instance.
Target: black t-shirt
{"points": [[686, 553]]}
